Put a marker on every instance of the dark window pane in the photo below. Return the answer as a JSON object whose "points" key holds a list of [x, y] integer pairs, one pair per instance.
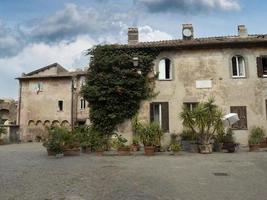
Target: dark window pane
{"points": [[264, 65], [167, 68], [234, 67]]}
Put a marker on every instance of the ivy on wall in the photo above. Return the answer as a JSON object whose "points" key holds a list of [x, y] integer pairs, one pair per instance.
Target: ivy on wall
{"points": [[115, 87]]}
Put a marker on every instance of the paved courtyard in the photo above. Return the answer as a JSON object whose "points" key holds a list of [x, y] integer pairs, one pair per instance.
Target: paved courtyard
{"points": [[27, 173]]}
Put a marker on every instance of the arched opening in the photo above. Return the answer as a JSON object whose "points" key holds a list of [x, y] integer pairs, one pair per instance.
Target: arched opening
{"points": [[65, 124], [238, 66], [165, 69], [55, 123]]}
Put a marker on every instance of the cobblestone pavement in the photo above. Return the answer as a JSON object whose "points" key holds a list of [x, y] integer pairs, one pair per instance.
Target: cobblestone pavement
{"points": [[27, 173]]}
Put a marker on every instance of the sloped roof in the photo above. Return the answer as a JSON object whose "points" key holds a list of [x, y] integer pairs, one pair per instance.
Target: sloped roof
{"points": [[60, 68], [61, 73], [207, 42]]}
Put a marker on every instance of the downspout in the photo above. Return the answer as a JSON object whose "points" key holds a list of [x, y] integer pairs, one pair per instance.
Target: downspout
{"points": [[19, 108], [72, 91]]}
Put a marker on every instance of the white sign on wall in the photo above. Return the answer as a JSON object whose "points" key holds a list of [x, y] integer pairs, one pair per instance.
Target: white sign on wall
{"points": [[203, 84]]}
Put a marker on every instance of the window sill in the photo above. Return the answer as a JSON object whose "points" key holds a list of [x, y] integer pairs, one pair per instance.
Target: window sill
{"points": [[164, 79], [239, 77], [239, 129]]}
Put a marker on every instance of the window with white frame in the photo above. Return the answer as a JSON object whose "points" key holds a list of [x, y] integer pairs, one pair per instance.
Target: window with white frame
{"points": [[82, 81], [165, 69], [238, 66]]}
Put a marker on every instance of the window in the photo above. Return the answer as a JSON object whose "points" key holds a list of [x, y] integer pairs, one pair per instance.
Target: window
{"points": [[262, 66], [82, 104], [165, 69], [60, 105], [82, 81], [159, 112], [191, 105], [38, 87], [242, 115], [238, 66]]}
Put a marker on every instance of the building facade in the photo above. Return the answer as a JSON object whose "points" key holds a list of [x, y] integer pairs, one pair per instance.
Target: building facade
{"points": [[50, 96], [231, 69]]}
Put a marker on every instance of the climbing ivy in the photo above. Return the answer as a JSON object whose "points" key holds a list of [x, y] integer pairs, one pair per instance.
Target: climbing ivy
{"points": [[115, 87]]}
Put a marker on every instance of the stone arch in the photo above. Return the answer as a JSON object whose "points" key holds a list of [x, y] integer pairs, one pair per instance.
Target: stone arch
{"points": [[4, 114], [55, 123], [39, 123], [47, 123], [31, 123], [65, 124]]}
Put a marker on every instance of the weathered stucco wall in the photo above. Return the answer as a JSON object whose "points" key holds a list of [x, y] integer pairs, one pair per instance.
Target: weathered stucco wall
{"points": [[41, 108]]}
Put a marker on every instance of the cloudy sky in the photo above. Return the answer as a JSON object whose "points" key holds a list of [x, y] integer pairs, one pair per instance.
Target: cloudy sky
{"points": [[35, 33]]}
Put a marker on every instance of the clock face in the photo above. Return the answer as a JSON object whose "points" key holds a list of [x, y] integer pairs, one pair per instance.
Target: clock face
{"points": [[187, 32]]}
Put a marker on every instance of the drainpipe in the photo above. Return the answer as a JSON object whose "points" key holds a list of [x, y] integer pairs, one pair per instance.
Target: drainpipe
{"points": [[72, 91], [19, 106]]}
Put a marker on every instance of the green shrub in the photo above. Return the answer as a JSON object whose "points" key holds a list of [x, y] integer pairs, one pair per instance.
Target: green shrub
{"points": [[257, 134], [229, 136], [175, 147], [149, 134], [119, 142]]}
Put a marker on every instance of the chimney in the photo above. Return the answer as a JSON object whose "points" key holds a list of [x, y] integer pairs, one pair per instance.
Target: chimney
{"points": [[242, 31], [133, 36], [188, 31]]}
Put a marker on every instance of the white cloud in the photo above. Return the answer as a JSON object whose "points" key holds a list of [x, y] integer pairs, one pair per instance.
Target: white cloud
{"points": [[37, 55], [149, 34], [75, 20]]}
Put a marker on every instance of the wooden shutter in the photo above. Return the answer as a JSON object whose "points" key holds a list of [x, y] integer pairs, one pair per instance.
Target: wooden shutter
{"points": [[151, 112], [259, 67], [266, 107], [242, 114], [165, 116]]}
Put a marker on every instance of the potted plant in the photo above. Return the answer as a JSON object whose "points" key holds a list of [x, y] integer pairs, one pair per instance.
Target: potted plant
{"points": [[229, 143], [175, 148], [149, 135], [205, 121], [135, 145], [84, 133], [2, 132], [188, 140], [255, 138], [120, 143], [218, 141]]}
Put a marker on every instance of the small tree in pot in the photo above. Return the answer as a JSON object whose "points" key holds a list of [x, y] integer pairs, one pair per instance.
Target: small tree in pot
{"points": [[120, 143], [149, 135], [205, 121], [256, 136]]}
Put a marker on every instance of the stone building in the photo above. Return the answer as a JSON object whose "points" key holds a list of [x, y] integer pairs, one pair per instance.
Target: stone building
{"points": [[50, 96], [8, 111], [233, 69]]}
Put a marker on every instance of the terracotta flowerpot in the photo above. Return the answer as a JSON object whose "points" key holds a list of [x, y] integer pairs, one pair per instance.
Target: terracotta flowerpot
{"points": [[205, 148], [149, 150], [124, 151], [263, 144], [71, 152], [2, 142], [254, 147], [50, 152], [135, 147]]}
